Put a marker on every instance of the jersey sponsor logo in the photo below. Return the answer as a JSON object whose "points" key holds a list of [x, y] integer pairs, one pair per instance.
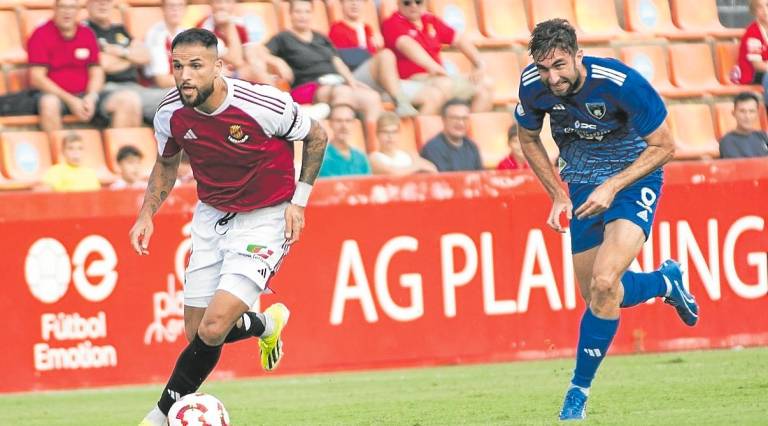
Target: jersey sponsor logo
{"points": [[596, 109], [190, 135], [581, 125], [236, 134], [558, 107], [520, 111], [82, 53], [586, 131], [259, 250], [647, 198]]}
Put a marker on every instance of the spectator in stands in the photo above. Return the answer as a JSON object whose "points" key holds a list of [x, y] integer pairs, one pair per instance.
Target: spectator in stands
{"points": [[120, 56], [341, 159], [158, 41], [752, 65], [70, 175], [747, 139], [515, 160], [451, 150], [416, 37], [308, 60], [361, 48], [241, 60], [64, 67], [391, 159], [129, 163]]}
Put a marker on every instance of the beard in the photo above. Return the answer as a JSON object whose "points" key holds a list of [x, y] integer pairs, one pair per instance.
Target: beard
{"points": [[202, 95], [572, 85]]}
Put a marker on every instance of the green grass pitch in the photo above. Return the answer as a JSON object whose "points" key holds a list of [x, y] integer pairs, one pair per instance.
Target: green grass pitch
{"points": [[723, 387]]}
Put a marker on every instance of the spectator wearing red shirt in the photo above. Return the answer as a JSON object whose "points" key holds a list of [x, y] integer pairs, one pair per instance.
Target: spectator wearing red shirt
{"points": [[516, 159], [158, 40], [753, 49], [64, 67], [230, 30], [416, 37], [362, 49]]}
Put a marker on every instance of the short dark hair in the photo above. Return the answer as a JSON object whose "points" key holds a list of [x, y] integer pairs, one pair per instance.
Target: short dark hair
{"points": [[550, 35], [69, 138], [199, 36], [128, 151], [744, 97], [512, 131], [452, 102]]}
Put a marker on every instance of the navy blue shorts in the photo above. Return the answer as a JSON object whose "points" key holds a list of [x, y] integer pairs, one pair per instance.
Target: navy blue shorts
{"points": [[635, 203]]}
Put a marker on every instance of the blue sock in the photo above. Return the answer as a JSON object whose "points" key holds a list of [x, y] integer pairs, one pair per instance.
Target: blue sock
{"points": [[595, 336], [641, 286]]}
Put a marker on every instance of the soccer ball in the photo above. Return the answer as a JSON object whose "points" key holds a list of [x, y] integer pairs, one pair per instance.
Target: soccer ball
{"points": [[198, 409]]}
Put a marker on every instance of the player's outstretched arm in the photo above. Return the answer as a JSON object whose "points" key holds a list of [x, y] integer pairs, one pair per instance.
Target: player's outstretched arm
{"points": [[161, 181], [311, 160], [533, 148], [660, 150]]}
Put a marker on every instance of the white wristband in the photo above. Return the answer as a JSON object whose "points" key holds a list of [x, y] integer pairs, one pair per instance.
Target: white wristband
{"points": [[301, 195]]}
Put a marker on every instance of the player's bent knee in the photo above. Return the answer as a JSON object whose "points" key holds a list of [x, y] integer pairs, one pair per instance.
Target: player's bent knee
{"points": [[213, 330], [603, 288]]}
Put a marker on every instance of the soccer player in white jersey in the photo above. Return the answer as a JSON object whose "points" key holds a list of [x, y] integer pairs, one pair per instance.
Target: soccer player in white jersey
{"points": [[612, 130], [239, 139]]}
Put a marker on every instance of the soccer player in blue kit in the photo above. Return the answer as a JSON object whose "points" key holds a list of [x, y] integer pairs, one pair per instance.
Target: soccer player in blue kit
{"points": [[610, 126]]}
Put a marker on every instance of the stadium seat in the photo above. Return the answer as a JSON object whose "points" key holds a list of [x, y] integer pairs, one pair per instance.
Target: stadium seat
{"points": [[598, 18], [489, 131], [93, 156], [319, 16], [651, 62], [194, 14], [701, 16], [140, 137], [260, 20], [138, 20], [693, 131], [725, 122], [11, 48], [358, 135], [600, 52], [504, 68], [542, 10], [370, 15], [693, 69], [653, 18], [31, 19], [17, 79], [455, 62], [460, 15], [426, 127], [726, 53], [134, 3], [25, 155], [503, 20]]}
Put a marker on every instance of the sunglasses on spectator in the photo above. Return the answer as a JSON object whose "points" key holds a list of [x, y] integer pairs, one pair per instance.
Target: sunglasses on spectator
{"points": [[407, 3]]}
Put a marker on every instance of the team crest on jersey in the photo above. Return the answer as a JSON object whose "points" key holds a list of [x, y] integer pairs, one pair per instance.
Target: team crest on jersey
{"points": [[236, 134], [596, 109]]}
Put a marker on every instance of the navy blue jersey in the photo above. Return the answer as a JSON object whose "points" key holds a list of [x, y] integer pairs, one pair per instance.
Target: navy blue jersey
{"points": [[599, 129]]}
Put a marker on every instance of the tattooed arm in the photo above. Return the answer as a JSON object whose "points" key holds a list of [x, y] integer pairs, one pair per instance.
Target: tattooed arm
{"points": [[161, 182], [311, 160]]}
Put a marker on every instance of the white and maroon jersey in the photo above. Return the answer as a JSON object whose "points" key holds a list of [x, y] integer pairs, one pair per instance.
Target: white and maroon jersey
{"points": [[242, 153]]}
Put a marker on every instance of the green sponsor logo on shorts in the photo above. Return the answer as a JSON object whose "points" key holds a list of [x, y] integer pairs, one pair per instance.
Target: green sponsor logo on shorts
{"points": [[254, 248]]}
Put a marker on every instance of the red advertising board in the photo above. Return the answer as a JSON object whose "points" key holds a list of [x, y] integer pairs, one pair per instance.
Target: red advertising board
{"points": [[424, 270]]}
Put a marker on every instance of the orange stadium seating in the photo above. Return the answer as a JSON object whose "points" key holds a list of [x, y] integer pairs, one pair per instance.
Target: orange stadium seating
{"points": [[489, 131], [31, 19], [407, 139], [139, 19], [370, 15], [504, 68], [603, 23], [358, 135], [140, 137], [25, 155], [386, 9], [693, 68], [701, 16], [725, 122], [260, 20], [542, 10], [194, 14], [600, 52], [319, 16], [693, 131], [11, 48], [426, 127], [653, 18], [93, 156], [461, 16], [651, 62], [726, 54], [503, 20]]}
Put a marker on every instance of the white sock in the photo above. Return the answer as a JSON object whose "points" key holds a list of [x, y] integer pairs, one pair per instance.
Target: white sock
{"points": [[669, 286], [156, 417], [269, 324], [585, 391]]}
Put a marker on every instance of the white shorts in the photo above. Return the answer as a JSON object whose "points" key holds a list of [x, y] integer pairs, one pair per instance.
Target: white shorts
{"points": [[237, 253]]}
